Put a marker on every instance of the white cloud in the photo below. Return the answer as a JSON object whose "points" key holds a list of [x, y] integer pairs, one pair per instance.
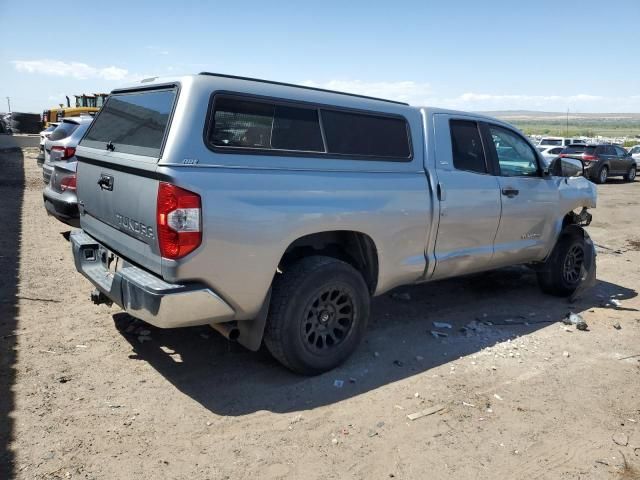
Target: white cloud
{"points": [[417, 93], [77, 70]]}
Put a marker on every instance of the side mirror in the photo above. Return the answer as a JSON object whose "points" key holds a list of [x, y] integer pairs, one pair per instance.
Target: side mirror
{"points": [[566, 167]]}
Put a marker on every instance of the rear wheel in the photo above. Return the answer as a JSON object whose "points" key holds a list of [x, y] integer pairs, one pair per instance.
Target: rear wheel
{"points": [[603, 175], [631, 174], [562, 274], [318, 314]]}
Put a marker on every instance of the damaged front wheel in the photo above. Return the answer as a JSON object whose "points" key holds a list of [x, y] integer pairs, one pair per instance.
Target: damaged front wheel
{"points": [[564, 269]]}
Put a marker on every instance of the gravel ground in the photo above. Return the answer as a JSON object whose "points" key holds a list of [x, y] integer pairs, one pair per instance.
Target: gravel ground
{"points": [[88, 392]]}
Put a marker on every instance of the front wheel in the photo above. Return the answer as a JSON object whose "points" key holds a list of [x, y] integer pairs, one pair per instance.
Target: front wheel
{"points": [[631, 174], [563, 271], [318, 314]]}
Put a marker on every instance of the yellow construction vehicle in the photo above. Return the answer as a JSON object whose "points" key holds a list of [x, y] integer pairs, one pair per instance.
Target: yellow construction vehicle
{"points": [[84, 105]]}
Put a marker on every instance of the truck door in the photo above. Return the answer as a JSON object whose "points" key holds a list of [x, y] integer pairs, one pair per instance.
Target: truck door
{"points": [[529, 198], [469, 198]]}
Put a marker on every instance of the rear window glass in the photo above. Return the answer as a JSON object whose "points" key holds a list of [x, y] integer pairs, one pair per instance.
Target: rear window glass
{"points": [[133, 122], [357, 134], [551, 141], [578, 149], [265, 126], [63, 131]]}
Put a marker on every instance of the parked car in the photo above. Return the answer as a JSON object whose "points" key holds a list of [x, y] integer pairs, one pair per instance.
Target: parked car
{"points": [[59, 195], [62, 142], [559, 141], [635, 154], [44, 134], [549, 153], [273, 211], [603, 161]]}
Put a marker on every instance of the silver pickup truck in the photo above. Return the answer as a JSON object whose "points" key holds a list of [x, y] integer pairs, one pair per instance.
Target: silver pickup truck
{"points": [[274, 212]]}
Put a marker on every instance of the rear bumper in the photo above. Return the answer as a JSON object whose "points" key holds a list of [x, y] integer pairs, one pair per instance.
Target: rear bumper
{"points": [[62, 206], [144, 295]]}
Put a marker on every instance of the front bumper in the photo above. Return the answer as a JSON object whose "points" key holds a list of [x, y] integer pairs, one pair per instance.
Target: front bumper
{"points": [[144, 295]]}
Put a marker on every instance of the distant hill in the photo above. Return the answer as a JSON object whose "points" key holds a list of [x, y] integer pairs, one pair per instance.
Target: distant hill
{"points": [[532, 115]]}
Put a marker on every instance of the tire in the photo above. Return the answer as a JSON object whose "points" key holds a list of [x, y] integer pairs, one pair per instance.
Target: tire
{"points": [[603, 175], [318, 314], [631, 174], [562, 274]]}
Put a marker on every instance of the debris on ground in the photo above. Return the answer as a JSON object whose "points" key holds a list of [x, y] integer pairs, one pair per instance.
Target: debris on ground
{"points": [[621, 439], [575, 319], [404, 296], [566, 354], [442, 325], [497, 397], [437, 334], [615, 302], [338, 383], [426, 412], [617, 326]]}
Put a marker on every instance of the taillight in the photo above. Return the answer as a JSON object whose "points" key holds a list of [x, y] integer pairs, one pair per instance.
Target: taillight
{"points": [[68, 183], [67, 152], [589, 158], [178, 216]]}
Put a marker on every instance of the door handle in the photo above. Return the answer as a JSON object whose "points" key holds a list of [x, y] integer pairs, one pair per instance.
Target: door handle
{"points": [[442, 194], [510, 192]]}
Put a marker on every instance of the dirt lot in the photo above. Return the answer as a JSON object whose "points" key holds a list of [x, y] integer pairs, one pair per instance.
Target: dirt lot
{"points": [[82, 397]]}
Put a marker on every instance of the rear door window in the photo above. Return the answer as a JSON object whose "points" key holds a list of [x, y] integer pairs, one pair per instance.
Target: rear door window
{"points": [[134, 122], [63, 131], [466, 147]]}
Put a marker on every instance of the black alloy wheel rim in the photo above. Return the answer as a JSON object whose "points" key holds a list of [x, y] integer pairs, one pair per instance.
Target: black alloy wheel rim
{"points": [[328, 320], [573, 264]]}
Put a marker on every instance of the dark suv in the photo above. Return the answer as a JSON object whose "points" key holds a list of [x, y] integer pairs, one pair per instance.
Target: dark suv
{"points": [[603, 161]]}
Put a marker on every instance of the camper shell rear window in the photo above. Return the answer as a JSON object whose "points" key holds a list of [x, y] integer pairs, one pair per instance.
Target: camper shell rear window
{"points": [[133, 122]]}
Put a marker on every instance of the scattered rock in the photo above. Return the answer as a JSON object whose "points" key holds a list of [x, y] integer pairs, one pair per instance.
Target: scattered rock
{"points": [[621, 439], [577, 320], [144, 338], [442, 325], [338, 383], [566, 354], [497, 397], [144, 332], [398, 363], [64, 379], [419, 358], [334, 441], [615, 302], [617, 326]]}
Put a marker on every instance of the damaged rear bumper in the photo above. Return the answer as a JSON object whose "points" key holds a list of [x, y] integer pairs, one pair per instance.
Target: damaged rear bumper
{"points": [[144, 295]]}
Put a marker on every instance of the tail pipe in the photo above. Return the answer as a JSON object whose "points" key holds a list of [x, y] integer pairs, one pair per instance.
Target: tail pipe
{"points": [[229, 330]]}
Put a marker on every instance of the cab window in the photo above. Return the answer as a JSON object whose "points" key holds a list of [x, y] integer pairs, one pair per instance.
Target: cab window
{"points": [[466, 147], [515, 157]]}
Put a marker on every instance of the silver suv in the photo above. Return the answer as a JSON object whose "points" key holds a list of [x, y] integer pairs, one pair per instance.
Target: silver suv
{"points": [[275, 212]]}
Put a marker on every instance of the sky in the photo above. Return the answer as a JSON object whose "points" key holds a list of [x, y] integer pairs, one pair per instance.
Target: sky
{"points": [[464, 54]]}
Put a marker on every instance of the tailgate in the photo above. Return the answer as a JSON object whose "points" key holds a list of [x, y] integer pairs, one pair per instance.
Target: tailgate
{"points": [[117, 184]]}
